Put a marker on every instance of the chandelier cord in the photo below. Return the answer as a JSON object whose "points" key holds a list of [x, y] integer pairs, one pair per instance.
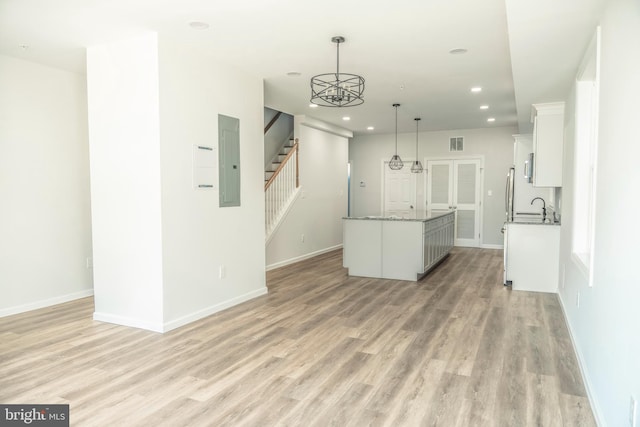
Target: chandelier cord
{"points": [[338, 60]]}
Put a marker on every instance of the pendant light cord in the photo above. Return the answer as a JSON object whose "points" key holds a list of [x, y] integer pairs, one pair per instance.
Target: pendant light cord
{"points": [[417, 121], [396, 128]]}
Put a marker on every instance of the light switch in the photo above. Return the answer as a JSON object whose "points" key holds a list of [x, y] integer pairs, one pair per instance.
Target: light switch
{"points": [[490, 193]]}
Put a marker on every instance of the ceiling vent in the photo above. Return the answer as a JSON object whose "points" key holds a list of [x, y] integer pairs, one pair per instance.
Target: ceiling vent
{"points": [[456, 143]]}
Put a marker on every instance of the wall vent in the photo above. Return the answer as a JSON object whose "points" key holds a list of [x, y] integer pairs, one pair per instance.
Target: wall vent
{"points": [[456, 143]]}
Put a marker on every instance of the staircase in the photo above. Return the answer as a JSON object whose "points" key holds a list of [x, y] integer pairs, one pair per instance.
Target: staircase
{"points": [[277, 161], [281, 186]]}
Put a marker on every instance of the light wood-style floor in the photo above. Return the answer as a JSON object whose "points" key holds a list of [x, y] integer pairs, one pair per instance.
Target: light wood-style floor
{"points": [[322, 349]]}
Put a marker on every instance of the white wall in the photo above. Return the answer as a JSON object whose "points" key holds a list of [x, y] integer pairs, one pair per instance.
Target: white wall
{"points": [[606, 325], [45, 222], [198, 236], [159, 243], [317, 213], [122, 82], [366, 154]]}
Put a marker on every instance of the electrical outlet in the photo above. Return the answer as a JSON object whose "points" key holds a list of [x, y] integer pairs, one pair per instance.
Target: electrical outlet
{"points": [[578, 300], [89, 262], [302, 238], [222, 272], [632, 412], [564, 275]]}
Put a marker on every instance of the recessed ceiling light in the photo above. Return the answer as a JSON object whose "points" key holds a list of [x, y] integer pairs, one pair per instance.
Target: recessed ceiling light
{"points": [[476, 89], [370, 128], [491, 119], [198, 25], [294, 74], [484, 107], [346, 118], [458, 51], [313, 105]]}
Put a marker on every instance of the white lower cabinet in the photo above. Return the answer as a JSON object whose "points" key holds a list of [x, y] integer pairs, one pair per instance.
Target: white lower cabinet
{"points": [[532, 259], [396, 248]]}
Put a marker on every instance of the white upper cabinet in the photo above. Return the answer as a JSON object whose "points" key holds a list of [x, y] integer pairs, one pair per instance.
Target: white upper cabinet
{"points": [[548, 142]]}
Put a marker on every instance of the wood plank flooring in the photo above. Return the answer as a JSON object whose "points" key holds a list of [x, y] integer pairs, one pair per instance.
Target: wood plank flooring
{"points": [[321, 349]]}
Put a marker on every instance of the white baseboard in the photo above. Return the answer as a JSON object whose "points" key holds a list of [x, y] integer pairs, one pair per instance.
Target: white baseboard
{"points": [[302, 257], [490, 246], [127, 321], [181, 321], [45, 303], [581, 363]]}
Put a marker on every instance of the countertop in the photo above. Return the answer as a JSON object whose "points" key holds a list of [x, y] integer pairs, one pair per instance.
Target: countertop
{"points": [[532, 220], [399, 216]]}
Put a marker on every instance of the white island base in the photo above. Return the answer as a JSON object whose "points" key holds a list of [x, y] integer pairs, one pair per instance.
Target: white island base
{"points": [[392, 247]]}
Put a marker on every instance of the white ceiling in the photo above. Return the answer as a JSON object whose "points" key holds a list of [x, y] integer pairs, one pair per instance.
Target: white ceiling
{"points": [[519, 51]]}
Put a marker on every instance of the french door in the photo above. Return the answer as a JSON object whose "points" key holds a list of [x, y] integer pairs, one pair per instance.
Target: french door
{"points": [[455, 184]]}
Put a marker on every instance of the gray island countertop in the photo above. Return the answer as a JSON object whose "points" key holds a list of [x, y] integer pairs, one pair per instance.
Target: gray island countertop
{"points": [[402, 216]]}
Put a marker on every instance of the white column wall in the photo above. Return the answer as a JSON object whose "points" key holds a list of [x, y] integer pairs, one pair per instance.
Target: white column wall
{"points": [[45, 219], [199, 237], [123, 102]]}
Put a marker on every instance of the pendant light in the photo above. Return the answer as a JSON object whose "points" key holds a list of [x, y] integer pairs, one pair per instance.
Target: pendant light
{"points": [[337, 89], [396, 162], [416, 167]]}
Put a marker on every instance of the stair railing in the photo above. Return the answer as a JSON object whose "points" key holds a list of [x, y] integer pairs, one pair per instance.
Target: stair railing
{"points": [[281, 188]]}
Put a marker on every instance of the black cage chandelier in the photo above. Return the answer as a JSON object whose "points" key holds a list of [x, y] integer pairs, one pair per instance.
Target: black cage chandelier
{"points": [[337, 89]]}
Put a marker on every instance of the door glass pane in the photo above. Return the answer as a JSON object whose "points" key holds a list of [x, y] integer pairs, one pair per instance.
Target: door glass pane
{"points": [[465, 224], [466, 183], [440, 184]]}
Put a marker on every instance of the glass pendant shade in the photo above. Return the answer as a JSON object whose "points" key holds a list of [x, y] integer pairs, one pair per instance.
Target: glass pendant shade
{"points": [[396, 162], [416, 167]]}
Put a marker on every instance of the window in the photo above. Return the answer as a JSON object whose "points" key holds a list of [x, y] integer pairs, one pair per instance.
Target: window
{"points": [[585, 157]]}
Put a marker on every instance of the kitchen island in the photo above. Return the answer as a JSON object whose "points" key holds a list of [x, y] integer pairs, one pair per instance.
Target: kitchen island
{"points": [[396, 246]]}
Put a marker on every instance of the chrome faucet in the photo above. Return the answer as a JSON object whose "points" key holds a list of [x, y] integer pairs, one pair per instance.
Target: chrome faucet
{"points": [[544, 207]]}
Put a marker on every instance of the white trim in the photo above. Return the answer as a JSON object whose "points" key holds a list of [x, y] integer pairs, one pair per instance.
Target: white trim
{"points": [[581, 364], [302, 257], [181, 321], [294, 197], [127, 321], [45, 303], [491, 246], [323, 126]]}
